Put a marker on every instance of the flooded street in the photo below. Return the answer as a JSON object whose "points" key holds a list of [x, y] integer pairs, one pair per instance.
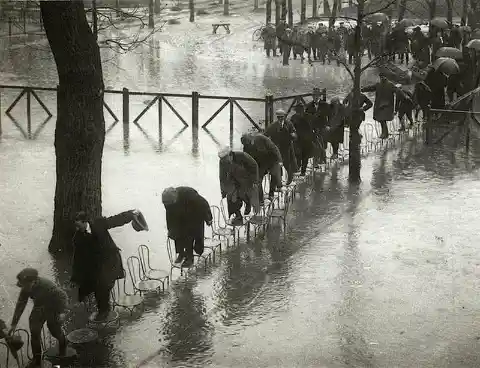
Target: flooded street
{"points": [[384, 275]]}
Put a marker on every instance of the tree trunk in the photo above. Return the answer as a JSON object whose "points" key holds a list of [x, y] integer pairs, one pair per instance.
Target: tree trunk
{"points": [[449, 11], [464, 13], [268, 13], [315, 9], [151, 20], [117, 4], [401, 9], [333, 16], [354, 159], [303, 11], [95, 19], [158, 6], [277, 11], [284, 10], [432, 5], [290, 13], [191, 5], [255, 4], [80, 127], [326, 8], [226, 10]]}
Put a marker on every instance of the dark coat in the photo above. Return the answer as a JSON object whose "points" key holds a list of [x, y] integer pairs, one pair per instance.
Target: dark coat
{"points": [[306, 134], [384, 105], [365, 104], [437, 83], [96, 257], [318, 115], [336, 123], [186, 216], [263, 151], [283, 137]]}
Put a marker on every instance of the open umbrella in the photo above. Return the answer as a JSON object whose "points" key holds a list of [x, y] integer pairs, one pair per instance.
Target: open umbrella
{"points": [[449, 52], [475, 34], [446, 65], [439, 23], [474, 44], [405, 23], [376, 17]]}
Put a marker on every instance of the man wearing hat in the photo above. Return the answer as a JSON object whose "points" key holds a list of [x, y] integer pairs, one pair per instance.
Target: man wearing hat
{"points": [[186, 212], [306, 136], [384, 105], [268, 158], [283, 134], [317, 112], [97, 262], [49, 305], [239, 182], [270, 39]]}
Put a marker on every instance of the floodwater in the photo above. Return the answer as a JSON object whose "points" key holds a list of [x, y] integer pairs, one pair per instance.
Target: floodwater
{"points": [[382, 275]]}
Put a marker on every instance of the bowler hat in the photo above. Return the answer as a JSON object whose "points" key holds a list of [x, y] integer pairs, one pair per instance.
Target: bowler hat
{"points": [[139, 223], [27, 274]]}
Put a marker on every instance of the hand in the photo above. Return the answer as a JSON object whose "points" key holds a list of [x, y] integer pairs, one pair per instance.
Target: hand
{"points": [[136, 212], [224, 195], [209, 223], [12, 329], [169, 235]]}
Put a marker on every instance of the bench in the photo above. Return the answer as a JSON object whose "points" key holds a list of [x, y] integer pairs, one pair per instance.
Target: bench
{"points": [[224, 25]]}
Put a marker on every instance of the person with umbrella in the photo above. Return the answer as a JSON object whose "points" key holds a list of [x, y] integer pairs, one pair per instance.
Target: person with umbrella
{"points": [[49, 306], [97, 262], [239, 182], [420, 46], [384, 105]]}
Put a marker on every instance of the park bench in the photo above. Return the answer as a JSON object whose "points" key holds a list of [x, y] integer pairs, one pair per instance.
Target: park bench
{"points": [[224, 25]]}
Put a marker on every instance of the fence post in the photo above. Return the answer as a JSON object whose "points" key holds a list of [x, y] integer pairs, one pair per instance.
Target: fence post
{"points": [[29, 113], [267, 112], [1, 113], [270, 109], [9, 26], [126, 119], [428, 127], [24, 22], [467, 134], [160, 122], [195, 108], [324, 94], [231, 121]]}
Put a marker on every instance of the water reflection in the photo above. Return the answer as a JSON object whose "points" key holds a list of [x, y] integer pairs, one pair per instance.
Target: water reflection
{"points": [[187, 331], [381, 177], [351, 322]]}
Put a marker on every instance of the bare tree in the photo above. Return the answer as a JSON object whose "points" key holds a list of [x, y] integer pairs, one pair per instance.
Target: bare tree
{"points": [[80, 126]]}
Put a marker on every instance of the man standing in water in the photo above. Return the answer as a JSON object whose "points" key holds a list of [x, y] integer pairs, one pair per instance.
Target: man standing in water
{"points": [[49, 304], [97, 262]]}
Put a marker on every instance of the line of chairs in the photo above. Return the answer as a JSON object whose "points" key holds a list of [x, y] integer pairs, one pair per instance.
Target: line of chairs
{"points": [[142, 277]]}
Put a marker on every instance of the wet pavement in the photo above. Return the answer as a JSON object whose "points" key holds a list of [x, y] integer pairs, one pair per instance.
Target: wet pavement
{"points": [[383, 275]]}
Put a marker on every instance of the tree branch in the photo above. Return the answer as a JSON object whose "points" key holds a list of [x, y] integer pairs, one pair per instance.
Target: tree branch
{"points": [[375, 60], [383, 8]]}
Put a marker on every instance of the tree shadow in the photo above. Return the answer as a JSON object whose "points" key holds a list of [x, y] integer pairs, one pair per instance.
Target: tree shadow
{"points": [[351, 326]]}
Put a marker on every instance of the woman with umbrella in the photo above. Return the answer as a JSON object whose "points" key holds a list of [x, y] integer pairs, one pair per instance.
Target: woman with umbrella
{"points": [[436, 79]]}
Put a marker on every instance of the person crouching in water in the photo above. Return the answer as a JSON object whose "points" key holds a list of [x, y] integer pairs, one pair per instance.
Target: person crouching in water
{"points": [[283, 134], [49, 305], [268, 158], [239, 182], [186, 212], [97, 262]]}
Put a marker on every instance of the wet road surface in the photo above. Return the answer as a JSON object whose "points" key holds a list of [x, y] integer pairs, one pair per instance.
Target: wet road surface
{"points": [[384, 275]]}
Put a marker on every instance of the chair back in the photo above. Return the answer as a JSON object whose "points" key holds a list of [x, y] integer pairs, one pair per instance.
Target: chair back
{"points": [[25, 353], [144, 256], [218, 221], [135, 270], [171, 250]]}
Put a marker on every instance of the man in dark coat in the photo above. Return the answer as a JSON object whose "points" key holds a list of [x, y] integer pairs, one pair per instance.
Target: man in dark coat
{"points": [[186, 211], [49, 305], [437, 82], [317, 112], [306, 137], [239, 182], [384, 105], [268, 158], [283, 134], [404, 107], [422, 99], [336, 125], [97, 262]]}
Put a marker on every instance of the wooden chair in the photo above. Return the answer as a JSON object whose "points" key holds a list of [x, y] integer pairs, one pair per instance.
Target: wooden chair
{"points": [[148, 271], [122, 298], [139, 281], [212, 241]]}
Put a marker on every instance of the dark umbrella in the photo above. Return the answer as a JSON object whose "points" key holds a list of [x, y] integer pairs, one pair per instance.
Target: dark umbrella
{"points": [[439, 23], [446, 65], [449, 52], [405, 23], [376, 17], [474, 44], [475, 34]]}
